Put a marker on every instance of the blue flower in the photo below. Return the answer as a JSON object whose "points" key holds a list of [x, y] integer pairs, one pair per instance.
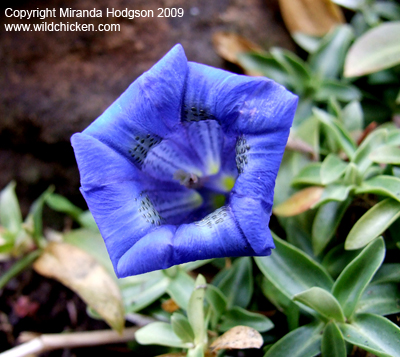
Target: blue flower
{"points": [[182, 165]]}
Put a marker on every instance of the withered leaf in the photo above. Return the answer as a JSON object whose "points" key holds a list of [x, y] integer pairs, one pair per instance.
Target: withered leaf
{"points": [[80, 272], [238, 337]]}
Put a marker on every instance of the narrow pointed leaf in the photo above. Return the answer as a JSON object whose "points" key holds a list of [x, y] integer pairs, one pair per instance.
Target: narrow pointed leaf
{"points": [[333, 344], [373, 223], [374, 334], [182, 328], [292, 271], [387, 154], [239, 316], [302, 342], [237, 285], [381, 185], [10, 213], [377, 49], [352, 282], [326, 222], [160, 333], [195, 309], [61, 204], [321, 301], [332, 168], [380, 299]]}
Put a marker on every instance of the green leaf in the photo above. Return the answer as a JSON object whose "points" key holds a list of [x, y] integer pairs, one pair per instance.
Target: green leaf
{"points": [[337, 259], [332, 168], [86, 220], [329, 88], [335, 128], [182, 328], [61, 204], [321, 301], [291, 270], [373, 223], [380, 299], [352, 282], [35, 217], [327, 61], [306, 42], [334, 192], [218, 303], [309, 175], [381, 185], [371, 142], [387, 154], [19, 266], [333, 344], [195, 310], [180, 288], [239, 316], [387, 273], [374, 334], [10, 213], [353, 117], [326, 222], [160, 333], [237, 285], [140, 291], [377, 49], [302, 342], [352, 175]]}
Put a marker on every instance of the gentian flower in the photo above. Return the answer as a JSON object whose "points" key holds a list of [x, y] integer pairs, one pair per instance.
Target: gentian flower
{"points": [[182, 165]]}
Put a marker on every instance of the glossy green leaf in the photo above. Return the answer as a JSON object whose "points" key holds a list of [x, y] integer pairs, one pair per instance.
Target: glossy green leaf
{"points": [[321, 301], [373, 223], [309, 175], [374, 334], [387, 154], [238, 316], [195, 310], [333, 344], [160, 333], [326, 222], [181, 327], [291, 270], [237, 285], [180, 288], [139, 292], [380, 299], [351, 283], [61, 204], [337, 259], [334, 192], [332, 168], [383, 185], [337, 131], [341, 91], [327, 61], [302, 342], [387, 273], [10, 213], [353, 117], [377, 49], [370, 143]]}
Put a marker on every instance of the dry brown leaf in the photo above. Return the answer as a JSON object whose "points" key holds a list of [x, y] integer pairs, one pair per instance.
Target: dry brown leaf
{"points": [[229, 45], [80, 272], [238, 337], [170, 306], [312, 17], [300, 202]]}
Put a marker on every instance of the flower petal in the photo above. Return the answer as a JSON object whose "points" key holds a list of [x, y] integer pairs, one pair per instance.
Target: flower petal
{"points": [[151, 106], [217, 235]]}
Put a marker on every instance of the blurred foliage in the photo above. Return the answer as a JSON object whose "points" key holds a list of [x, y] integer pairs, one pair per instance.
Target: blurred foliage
{"points": [[331, 286]]}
